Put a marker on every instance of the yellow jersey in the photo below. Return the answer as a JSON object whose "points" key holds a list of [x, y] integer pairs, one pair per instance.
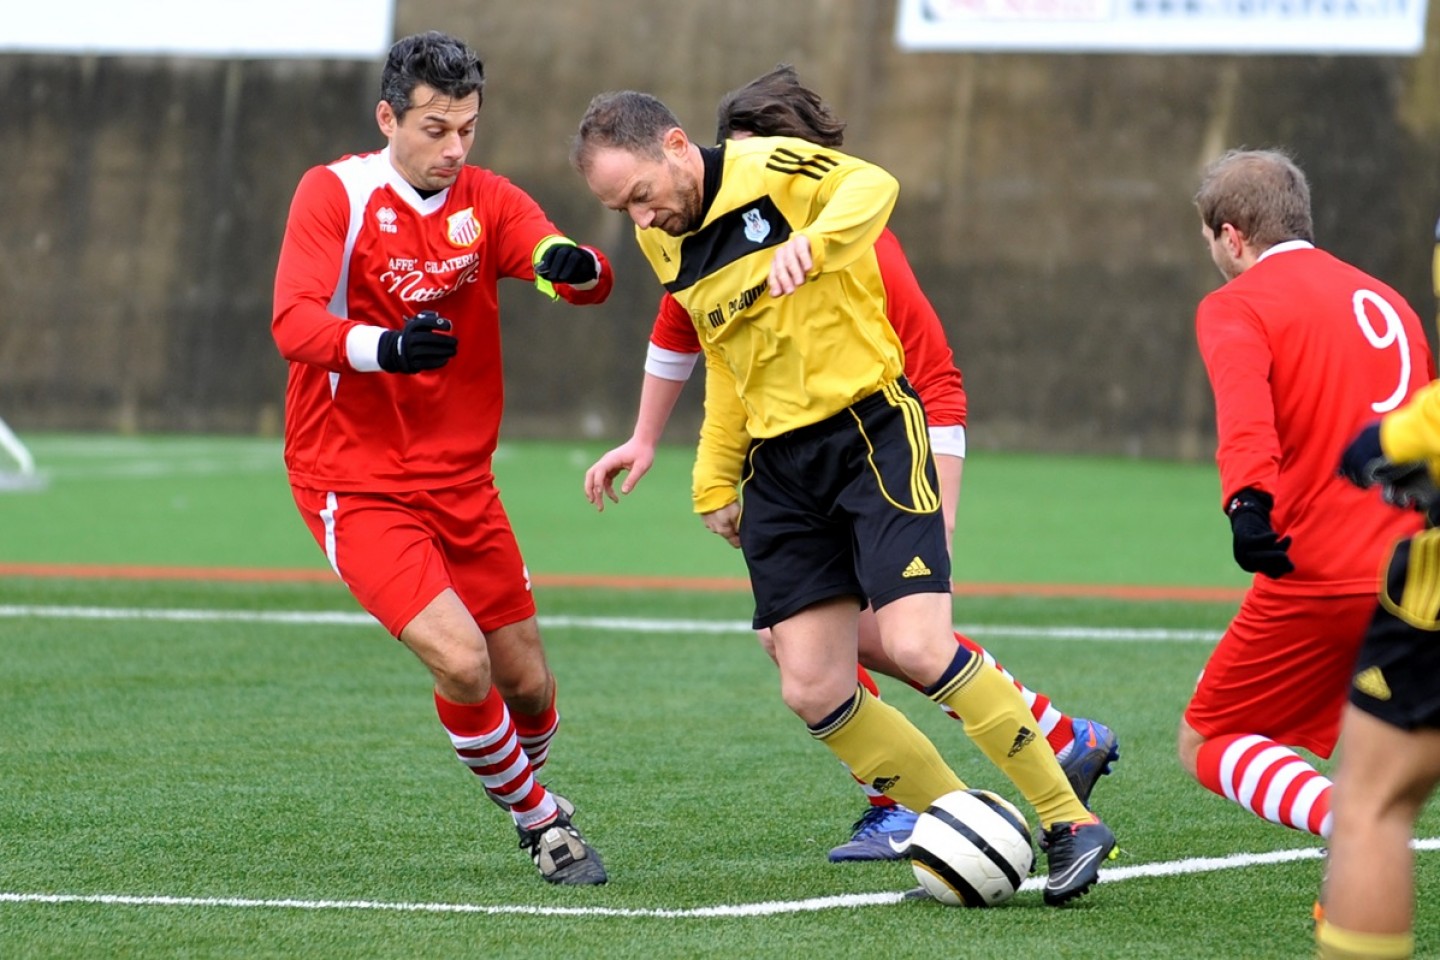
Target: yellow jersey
{"points": [[775, 364]]}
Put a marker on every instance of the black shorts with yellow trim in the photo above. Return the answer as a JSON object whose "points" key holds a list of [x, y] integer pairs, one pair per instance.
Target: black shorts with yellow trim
{"points": [[849, 506], [1397, 675]]}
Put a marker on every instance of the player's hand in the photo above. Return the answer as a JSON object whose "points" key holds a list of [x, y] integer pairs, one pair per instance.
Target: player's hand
{"points": [[1408, 486], [725, 522], [420, 345], [632, 456], [1363, 457], [1258, 548], [791, 266], [567, 263]]}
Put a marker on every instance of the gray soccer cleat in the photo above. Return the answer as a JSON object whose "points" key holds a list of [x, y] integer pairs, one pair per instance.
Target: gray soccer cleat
{"points": [[560, 853]]}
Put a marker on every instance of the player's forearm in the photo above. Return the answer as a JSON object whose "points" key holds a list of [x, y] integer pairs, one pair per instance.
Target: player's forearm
{"points": [[853, 217], [308, 333], [658, 396], [720, 456]]}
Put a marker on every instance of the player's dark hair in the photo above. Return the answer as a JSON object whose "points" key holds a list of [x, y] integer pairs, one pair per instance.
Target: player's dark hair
{"points": [[777, 104], [439, 61], [1261, 193], [625, 120]]}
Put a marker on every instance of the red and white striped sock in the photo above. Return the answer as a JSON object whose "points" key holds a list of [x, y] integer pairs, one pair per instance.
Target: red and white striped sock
{"points": [[536, 732], [1268, 779], [1055, 725], [484, 739]]}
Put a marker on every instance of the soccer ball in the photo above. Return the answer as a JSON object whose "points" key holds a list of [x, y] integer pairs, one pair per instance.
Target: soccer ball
{"points": [[971, 848]]}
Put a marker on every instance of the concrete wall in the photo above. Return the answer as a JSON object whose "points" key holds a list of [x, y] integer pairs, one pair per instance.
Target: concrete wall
{"points": [[1045, 205]]}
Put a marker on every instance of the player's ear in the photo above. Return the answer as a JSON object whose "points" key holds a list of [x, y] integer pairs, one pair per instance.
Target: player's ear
{"points": [[675, 142], [385, 118], [1234, 239]]}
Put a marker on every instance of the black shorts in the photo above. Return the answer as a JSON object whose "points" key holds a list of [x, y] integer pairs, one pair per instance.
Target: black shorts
{"points": [[1397, 675], [849, 506]]}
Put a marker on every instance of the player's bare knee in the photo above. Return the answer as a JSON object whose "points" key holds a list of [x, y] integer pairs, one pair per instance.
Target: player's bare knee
{"points": [[462, 675], [811, 702], [1187, 748], [530, 693], [767, 641]]}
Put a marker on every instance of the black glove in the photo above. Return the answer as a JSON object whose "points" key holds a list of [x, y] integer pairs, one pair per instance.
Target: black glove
{"points": [[1405, 485], [1258, 548], [1363, 457], [567, 263], [419, 346]]}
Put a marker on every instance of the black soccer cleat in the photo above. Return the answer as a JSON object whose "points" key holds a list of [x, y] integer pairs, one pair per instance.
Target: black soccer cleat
{"points": [[1075, 852], [560, 853]]}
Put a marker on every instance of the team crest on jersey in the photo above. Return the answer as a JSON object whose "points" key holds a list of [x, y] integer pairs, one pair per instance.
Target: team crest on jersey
{"points": [[462, 229], [756, 229], [386, 218]]}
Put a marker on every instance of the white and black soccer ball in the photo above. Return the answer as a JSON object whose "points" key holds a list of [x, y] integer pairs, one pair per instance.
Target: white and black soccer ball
{"points": [[971, 848]]}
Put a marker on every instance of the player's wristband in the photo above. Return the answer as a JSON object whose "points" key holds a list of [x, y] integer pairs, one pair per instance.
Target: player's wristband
{"points": [[541, 284], [362, 347]]}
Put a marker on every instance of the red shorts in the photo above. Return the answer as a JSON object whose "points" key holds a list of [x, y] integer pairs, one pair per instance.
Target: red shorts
{"points": [[1282, 670], [399, 551]]}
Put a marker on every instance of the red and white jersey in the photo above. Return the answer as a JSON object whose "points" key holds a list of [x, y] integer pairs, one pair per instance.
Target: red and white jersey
{"points": [[362, 247], [929, 362], [1302, 351]]}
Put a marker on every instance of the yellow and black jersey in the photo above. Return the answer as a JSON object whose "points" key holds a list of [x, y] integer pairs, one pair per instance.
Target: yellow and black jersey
{"points": [[794, 360], [1412, 432]]}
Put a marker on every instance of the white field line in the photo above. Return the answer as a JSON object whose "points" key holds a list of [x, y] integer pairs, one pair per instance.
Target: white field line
{"points": [[614, 624], [1170, 868]]}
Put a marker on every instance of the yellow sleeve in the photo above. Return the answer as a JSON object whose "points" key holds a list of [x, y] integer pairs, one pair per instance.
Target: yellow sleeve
{"points": [[1413, 431], [723, 440], [855, 201]]}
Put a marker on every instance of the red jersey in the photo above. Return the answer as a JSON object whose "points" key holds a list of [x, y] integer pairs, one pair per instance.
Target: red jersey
{"points": [[1302, 350], [363, 247], [929, 362]]}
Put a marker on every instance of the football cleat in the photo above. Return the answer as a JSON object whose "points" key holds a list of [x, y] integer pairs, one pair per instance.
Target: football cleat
{"points": [[1096, 747], [560, 853], [881, 833], [1075, 852]]}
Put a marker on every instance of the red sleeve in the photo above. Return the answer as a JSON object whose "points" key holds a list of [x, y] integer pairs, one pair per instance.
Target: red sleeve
{"points": [[673, 329], [929, 362], [1237, 356], [309, 271], [522, 224]]}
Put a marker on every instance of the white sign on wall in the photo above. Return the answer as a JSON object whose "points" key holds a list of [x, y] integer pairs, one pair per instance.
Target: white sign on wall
{"points": [[1374, 27], [326, 29]]}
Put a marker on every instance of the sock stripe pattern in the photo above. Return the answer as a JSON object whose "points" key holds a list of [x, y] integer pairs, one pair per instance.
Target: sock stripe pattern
{"points": [[1040, 706], [1268, 779], [536, 732], [484, 739]]}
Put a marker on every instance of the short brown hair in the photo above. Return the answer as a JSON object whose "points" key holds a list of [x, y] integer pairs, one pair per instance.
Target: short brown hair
{"points": [[625, 120], [1261, 193], [777, 104]]}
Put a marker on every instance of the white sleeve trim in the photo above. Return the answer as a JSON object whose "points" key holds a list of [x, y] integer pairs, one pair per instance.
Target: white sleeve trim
{"points": [[669, 364], [362, 348], [948, 441]]}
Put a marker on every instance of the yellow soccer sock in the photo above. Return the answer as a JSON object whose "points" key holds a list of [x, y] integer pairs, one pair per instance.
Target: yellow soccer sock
{"points": [[1333, 943], [997, 719], [884, 750]]}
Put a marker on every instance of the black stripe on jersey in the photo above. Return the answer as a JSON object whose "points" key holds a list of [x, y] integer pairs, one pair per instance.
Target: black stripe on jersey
{"points": [[724, 240], [815, 166]]}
